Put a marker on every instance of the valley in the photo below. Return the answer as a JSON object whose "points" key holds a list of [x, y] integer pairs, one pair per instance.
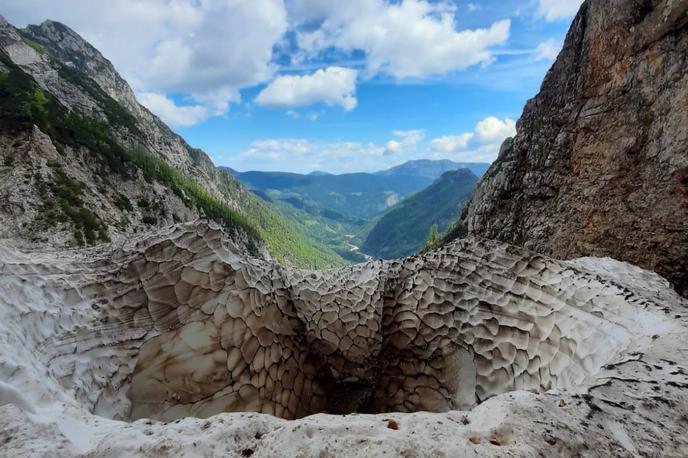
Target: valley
{"points": [[340, 211], [414, 229]]}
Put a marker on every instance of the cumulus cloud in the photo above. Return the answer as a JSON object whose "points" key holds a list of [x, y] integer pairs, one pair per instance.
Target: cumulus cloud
{"points": [[553, 10], [209, 49], [491, 130], [332, 86], [302, 155], [480, 145], [413, 38], [451, 143], [404, 139], [172, 114]]}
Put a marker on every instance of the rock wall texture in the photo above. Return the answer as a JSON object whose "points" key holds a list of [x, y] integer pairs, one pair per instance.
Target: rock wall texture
{"points": [[599, 166]]}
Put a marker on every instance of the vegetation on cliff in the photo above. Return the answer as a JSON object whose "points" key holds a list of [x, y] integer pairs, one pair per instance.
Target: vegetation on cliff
{"points": [[23, 104]]}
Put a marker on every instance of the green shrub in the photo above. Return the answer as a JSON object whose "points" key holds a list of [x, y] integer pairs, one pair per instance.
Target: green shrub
{"points": [[456, 230], [123, 203], [67, 206]]}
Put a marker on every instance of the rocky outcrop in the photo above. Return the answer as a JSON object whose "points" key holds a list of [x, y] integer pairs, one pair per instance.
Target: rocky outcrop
{"points": [[63, 63], [82, 81], [178, 324], [599, 166]]}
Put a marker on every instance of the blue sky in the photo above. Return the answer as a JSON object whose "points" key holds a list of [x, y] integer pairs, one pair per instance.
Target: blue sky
{"points": [[302, 85]]}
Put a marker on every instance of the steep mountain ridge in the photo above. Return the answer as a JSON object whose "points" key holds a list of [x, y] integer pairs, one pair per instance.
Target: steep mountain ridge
{"points": [[76, 61], [98, 156], [599, 166], [404, 228]]}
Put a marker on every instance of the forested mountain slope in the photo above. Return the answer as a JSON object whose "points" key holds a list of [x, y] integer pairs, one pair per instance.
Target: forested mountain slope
{"points": [[82, 162]]}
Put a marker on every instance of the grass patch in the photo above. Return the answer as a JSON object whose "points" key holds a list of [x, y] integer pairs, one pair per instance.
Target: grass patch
{"points": [[36, 47]]}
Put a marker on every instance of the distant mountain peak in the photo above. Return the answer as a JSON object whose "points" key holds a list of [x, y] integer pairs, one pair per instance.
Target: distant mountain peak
{"points": [[433, 168]]}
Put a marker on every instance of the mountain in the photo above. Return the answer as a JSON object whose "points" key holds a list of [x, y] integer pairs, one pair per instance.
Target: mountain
{"points": [[175, 343], [404, 228], [359, 195], [83, 163], [434, 168], [599, 166], [338, 211]]}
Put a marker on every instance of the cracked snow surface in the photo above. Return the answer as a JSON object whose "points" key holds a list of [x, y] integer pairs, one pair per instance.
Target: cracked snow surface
{"points": [[175, 345]]}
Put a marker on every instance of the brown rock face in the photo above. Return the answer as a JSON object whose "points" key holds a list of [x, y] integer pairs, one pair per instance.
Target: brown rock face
{"points": [[599, 166]]}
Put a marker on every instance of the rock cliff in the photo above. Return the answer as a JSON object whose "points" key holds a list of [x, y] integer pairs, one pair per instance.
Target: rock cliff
{"points": [[599, 166]]}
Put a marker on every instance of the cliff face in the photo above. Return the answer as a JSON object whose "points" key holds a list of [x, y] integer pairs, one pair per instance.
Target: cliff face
{"points": [[599, 166]]}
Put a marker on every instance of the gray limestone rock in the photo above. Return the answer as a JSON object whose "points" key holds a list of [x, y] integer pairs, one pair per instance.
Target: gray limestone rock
{"points": [[599, 166]]}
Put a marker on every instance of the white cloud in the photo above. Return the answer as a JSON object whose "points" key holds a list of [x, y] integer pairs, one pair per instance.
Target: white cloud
{"points": [[405, 139], [451, 143], [480, 145], [491, 130], [176, 116], [209, 49], [332, 86], [409, 39], [548, 50], [302, 155], [553, 10]]}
